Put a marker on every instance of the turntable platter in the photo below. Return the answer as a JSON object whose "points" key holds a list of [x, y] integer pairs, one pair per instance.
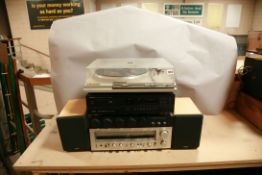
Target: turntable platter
{"points": [[122, 72]]}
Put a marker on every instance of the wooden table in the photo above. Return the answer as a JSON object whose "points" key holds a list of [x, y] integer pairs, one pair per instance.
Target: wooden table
{"points": [[228, 141]]}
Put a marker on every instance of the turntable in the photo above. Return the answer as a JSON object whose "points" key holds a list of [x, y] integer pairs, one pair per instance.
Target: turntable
{"points": [[130, 74]]}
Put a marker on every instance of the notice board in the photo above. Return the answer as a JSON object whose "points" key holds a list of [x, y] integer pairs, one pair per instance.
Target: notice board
{"points": [[42, 13]]}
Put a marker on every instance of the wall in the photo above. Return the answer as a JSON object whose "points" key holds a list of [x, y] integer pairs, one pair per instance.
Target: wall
{"points": [[4, 25], [257, 22], [20, 27], [247, 11], [38, 39]]}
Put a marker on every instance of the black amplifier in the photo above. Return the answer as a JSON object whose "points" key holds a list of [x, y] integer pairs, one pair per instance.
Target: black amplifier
{"points": [[99, 104], [252, 76], [79, 133]]}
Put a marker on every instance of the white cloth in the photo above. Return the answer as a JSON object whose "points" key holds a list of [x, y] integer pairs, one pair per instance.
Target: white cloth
{"points": [[204, 60]]}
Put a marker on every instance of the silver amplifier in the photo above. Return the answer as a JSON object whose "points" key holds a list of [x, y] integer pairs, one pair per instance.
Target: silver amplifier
{"points": [[105, 139]]}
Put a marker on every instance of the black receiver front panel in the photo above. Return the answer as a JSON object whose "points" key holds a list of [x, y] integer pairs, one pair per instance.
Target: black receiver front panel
{"points": [[99, 104]]}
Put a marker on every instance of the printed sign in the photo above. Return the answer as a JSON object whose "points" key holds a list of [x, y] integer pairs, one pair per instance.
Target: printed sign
{"points": [[184, 10], [42, 13], [191, 10], [195, 21]]}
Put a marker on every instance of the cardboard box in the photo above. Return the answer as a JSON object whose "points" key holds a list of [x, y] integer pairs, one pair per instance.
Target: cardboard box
{"points": [[254, 41], [250, 108]]}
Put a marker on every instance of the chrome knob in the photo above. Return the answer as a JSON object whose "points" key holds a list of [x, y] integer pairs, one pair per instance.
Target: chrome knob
{"points": [[164, 134]]}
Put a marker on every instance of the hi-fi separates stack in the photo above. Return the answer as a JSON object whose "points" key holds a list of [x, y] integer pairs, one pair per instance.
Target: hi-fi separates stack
{"points": [[130, 106]]}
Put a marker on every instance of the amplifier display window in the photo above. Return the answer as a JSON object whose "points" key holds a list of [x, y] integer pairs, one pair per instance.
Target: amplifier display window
{"points": [[125, 135]]}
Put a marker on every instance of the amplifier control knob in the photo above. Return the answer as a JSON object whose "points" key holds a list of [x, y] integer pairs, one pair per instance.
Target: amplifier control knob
{"points": [[142, 121], [107, 123], [95, 123], [120, 122], [131, 121], [164, 134]]}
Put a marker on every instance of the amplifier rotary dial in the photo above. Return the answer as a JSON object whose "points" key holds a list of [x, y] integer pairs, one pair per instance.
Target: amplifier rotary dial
{"points": [[120, 122], [132, 121], [164, 134], [95, 123], [107, 122]]}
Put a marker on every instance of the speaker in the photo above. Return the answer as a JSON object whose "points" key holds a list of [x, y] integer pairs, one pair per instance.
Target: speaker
{"points": [[74, 133], [186, 131]]}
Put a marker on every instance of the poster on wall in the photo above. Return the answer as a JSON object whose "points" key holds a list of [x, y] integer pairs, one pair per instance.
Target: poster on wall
{"points": [[153, 7], [215, 15], [233, 15], [42, 13]]}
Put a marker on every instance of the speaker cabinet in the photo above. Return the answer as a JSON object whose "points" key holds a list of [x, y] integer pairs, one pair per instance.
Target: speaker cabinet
{"points": [[186, 131], [74, 133]]}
